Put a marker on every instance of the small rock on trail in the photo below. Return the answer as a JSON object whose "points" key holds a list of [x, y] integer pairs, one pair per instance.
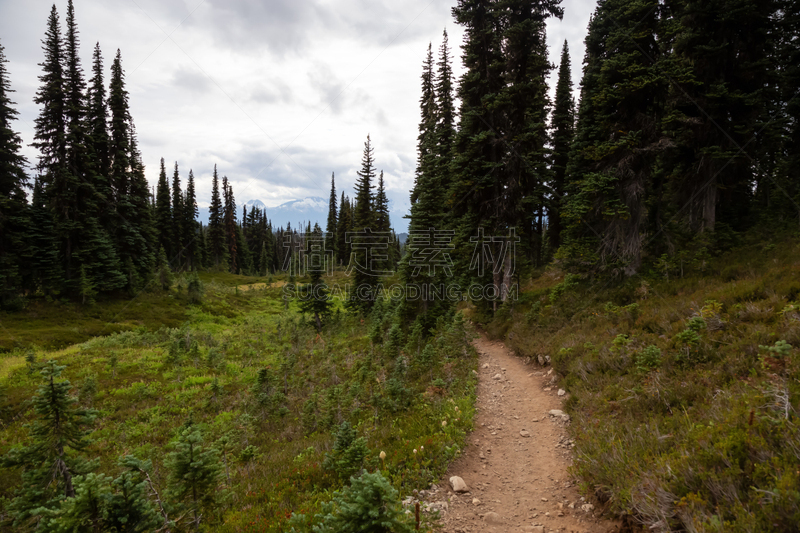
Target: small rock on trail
{"points": [[458, 485]]}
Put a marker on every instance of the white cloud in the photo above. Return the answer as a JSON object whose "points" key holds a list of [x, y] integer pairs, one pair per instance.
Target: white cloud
{"points": [[277, 93]]}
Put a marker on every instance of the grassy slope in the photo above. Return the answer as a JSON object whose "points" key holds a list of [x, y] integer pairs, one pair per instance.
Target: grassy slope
{"points": [[696, 436], [159, 381]]}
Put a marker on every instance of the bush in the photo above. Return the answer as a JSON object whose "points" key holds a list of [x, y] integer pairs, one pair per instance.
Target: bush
{"points": [[369, 505], [649, 358], [195, 289], [349, 452]]}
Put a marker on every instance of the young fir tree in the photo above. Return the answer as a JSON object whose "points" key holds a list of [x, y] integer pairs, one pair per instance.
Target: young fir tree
{"points": [[195, 474], [178, 220], [563, 131], [86, 511], [51, 459], [190, 226], [163, 272], [14, 212], [103, 504], [216, 231], [230, 226], [315, 299], [364, 278], [163, 212], [330, 228]]}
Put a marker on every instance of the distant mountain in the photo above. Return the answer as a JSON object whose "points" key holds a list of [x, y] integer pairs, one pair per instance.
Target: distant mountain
{"points": [[295, 212], [255, 203]]}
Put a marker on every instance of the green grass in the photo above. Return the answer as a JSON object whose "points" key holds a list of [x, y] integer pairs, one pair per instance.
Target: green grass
{"points": [[155, 371], [678, 409]]}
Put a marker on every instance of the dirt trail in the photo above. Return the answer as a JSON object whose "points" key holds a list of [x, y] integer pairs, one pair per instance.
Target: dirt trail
{"points": [[523, 480]]}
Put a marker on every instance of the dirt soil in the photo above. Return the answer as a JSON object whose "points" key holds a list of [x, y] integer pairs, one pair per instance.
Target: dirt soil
{"points": [[515, 463]]}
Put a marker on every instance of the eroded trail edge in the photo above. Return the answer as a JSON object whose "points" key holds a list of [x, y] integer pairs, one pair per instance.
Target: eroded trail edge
{"points": [[515, 462]]}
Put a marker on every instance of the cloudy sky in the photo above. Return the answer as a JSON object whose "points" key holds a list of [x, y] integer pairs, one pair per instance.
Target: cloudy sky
{"points": [[277, 93]]}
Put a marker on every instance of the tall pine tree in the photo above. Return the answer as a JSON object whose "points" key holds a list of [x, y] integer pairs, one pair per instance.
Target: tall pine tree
{"points": [[178, 221], [163, 212], [190, 226], [563, 132], [618, 138], [330, 228], [364, 277], [134, 234], [14, 213]]}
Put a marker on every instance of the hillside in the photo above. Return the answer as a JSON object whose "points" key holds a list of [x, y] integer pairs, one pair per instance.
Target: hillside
{"points": [[683, 389]]}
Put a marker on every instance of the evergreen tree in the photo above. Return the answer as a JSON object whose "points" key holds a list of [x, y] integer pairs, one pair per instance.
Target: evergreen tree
{"points": [[364, 279], [163, 272], [343, 225], [178, 220], [133, 227], [363, 216], [91, 251], [314, 295], [42, 251], [14, 213], [245, 255], [128, 509], [230, 227], [524, 103], [190, 225], [330, 228], [382, 221], [195, 472], [445, 131], [716, 109], [163, 212], [51, 459], [786, 187], [263, 260], [563, 131], [85, 512], [216, 231], [51, 139], [426, 196], [202, 242], [477, 191], [617, 137], [97, 120], [426, 139]]}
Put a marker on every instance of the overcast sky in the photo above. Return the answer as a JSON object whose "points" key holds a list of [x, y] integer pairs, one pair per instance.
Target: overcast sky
{"points": [[277, 93]]}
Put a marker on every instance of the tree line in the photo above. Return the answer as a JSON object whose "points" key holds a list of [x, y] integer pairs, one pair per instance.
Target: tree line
{"points": [[685, 135], [91, 225]]}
